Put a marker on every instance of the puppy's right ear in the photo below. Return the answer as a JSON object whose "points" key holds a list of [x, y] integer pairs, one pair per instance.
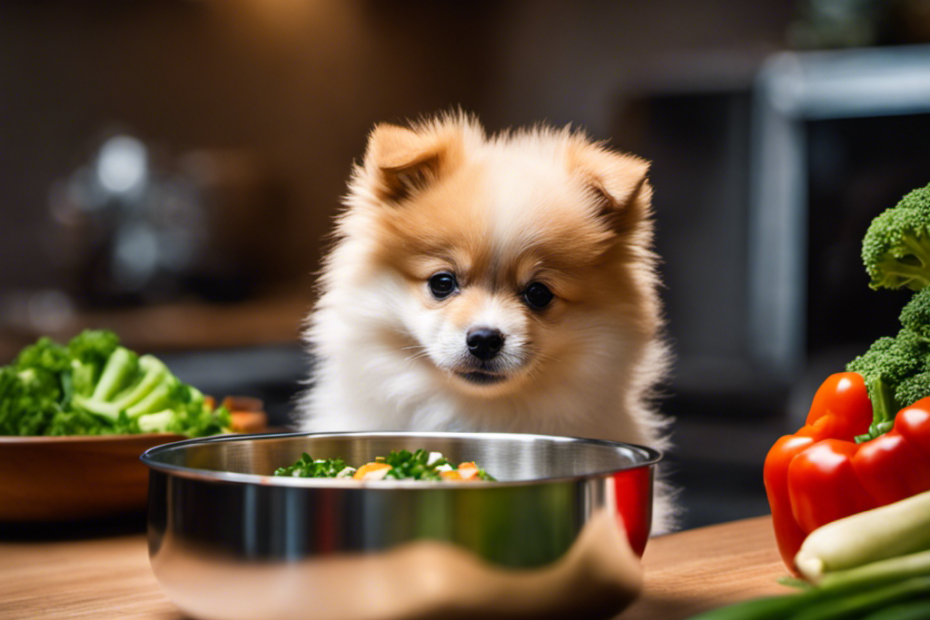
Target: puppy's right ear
{"points": [[404, 161]]}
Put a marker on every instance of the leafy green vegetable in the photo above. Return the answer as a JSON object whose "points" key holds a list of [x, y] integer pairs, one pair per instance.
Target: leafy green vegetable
{"points": [[912, 610], [406, 465], [890, 369], [897, 370], [89, 352], [852, 593], [896, 247], [915, 316], [896, 253], [308, 467], [93, 386]]}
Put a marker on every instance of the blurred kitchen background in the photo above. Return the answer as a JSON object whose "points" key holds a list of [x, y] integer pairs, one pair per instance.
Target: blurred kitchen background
{"points": [[170, 168]]}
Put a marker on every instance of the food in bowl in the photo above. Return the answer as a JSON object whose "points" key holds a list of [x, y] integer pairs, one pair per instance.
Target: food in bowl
{"points": [[398, 465]]}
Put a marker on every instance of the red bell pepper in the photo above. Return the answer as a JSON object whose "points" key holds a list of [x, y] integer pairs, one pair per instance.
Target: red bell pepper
{"points": [[820, 474]]}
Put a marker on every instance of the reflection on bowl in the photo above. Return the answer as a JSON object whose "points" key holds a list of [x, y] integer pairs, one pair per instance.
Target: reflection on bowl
{"points": [[555, 535]]}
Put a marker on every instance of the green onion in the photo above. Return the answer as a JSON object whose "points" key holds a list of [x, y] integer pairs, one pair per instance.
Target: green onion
{"points": [[850, 593]]}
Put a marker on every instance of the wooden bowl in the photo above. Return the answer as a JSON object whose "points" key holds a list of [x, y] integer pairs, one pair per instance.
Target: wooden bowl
{"points": [[86, 477], [62, 478]]}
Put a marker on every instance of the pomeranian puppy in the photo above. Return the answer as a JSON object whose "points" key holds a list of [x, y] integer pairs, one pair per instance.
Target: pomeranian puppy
{"points": [[503, 283]]}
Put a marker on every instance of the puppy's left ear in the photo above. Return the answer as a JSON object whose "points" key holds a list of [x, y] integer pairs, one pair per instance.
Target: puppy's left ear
{"points": [[619, 181], [404, 161]]}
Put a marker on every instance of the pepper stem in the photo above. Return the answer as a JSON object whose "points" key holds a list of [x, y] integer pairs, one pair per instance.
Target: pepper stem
{"points": [[884, 408]]}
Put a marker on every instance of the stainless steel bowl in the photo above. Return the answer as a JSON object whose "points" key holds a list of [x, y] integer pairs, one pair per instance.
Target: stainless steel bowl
{"points": [[228, 540]]}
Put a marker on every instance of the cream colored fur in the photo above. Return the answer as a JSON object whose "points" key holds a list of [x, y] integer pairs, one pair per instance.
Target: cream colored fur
{"points": [[499, 212]]}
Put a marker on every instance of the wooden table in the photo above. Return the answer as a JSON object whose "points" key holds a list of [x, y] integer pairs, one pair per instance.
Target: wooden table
{"points": [[708, 567], [109, 577]]}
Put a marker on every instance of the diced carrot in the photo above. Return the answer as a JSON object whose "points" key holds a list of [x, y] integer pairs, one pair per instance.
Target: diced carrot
{"points": [[371, 471], [468, 471], [450, 475]]}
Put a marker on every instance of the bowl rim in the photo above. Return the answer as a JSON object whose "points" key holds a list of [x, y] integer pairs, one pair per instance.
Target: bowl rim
{"points": [[651, 457], [115, 437]]}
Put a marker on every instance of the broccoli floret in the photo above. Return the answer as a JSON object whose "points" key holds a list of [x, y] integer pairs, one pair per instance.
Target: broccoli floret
{"points": [[913, 389], [896, 247], [154, 374], [915, 318], [45, 357], [29, 401], [144, 392], [161, 422], [915, 315], [89, 352], [886, 365], [33, 388], [195, 415], [121, 368], [93, 346]]}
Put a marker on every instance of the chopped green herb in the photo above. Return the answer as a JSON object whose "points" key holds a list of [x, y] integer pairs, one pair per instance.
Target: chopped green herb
{"points": [[404, 465], [483, 475], [308, 467]]}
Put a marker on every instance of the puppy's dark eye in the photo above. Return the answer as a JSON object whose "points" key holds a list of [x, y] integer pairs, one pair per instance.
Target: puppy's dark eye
{"points": [[442, 285], [537, 295]]}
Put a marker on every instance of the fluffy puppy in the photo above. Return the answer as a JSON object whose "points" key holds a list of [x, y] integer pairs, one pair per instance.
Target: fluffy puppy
{"points": [[502, 283]]}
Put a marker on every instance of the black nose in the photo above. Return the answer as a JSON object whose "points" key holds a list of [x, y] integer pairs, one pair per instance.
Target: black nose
{"points": [[484, 342]]}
